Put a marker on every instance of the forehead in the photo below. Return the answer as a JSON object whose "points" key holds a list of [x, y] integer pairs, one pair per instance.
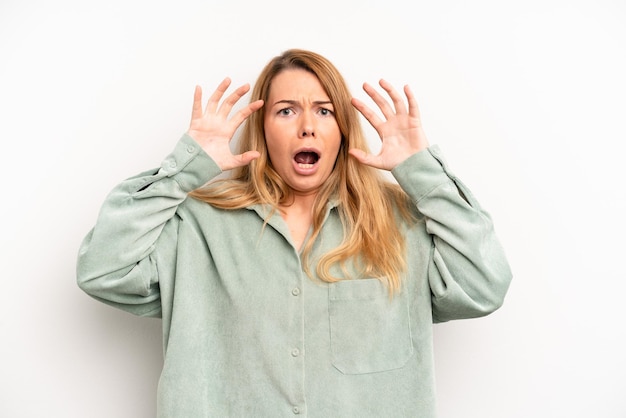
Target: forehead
{"points": [[295, 84]]}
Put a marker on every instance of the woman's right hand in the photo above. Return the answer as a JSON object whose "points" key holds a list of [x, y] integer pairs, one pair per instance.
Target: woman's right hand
{"points": [[213, 129]]}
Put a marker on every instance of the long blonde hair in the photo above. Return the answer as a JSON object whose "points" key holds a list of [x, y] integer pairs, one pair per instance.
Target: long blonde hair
{"points": [[373, 242]]}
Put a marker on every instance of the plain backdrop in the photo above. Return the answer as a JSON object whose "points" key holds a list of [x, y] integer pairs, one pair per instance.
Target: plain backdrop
{"points": [[525, 98]]}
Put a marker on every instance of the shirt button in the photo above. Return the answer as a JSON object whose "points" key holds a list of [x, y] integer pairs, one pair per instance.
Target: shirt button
{"points": [[295, 352], [296, 410], [173, 164], [295, 291], [190, 149]]}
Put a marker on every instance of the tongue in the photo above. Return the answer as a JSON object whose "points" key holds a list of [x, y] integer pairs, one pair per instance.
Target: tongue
{"points": [[306, 158]]}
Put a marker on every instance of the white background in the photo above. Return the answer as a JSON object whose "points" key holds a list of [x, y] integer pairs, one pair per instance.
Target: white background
{"points": [[526, 99]]}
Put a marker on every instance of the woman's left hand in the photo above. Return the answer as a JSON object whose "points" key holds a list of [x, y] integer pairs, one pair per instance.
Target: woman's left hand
{"points": [[401, 130]]}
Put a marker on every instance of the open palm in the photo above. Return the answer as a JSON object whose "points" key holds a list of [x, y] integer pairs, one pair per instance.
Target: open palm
{"points": [[214, 128], [400, 131]]}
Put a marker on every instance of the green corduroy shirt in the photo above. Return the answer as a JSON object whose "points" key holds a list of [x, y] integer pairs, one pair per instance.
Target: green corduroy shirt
{"points": [[246, 333]]}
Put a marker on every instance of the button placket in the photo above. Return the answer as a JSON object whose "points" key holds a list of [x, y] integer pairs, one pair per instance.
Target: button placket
{"points": [[296, 350]]}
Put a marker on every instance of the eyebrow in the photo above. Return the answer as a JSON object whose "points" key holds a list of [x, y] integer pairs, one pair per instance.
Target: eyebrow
{"points": [[295, 102]]}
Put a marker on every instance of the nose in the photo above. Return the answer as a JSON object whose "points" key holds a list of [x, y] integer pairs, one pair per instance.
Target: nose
{"points": [[307, 128]]}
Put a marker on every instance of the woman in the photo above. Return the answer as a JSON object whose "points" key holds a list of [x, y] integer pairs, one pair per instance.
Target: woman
{"points": [[305, 283]]}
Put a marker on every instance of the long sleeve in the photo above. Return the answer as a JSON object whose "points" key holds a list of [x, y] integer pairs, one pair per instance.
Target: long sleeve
{"points": [[468, 272], [114, 261]]}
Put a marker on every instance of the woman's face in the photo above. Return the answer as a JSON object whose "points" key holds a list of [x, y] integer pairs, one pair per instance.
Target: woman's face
{"points": [[301, 132]]}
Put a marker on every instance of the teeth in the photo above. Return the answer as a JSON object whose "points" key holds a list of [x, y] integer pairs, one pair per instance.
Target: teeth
{"points": [[305, 165]]}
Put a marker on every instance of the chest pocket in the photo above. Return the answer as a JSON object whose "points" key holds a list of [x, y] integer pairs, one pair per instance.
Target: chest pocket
{"points": [[369, 331]]}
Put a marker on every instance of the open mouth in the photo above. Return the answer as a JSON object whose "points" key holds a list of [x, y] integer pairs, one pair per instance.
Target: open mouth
{"points": [[306, 159]]}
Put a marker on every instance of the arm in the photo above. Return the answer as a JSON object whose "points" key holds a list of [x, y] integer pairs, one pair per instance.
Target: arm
{"points": [[468, 271], [115, 262]]}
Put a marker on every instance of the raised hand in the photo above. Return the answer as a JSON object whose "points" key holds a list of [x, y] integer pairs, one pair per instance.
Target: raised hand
{"points": [[400, 131], [214, 128]]}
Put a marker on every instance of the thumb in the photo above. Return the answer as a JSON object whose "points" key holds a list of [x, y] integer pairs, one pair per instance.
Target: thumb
{"points": [[247, 157], [363, 157]]}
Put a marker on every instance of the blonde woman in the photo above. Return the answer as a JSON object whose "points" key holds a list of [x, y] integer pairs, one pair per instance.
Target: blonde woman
{"points": [[304, 283]]}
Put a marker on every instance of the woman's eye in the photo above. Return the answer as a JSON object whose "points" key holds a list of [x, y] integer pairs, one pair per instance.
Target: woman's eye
{"points": [[325, 112], [284, 112]]}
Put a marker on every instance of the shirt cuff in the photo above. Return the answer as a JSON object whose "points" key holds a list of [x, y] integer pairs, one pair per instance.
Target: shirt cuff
{"points": [[189, 165], [422, 172]]}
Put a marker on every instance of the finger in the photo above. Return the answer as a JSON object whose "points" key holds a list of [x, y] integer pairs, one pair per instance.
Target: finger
{"points": [[365, 158], [232, 99], [380, 101], [248, 156], [196, 109], [217, 95], [414, 110], [243, 159], [368, 113], [243, 114], [398, 100]]}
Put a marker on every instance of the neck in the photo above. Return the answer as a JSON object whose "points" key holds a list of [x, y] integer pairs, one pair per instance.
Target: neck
{"points": [[300, 202], [298, 215]]}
